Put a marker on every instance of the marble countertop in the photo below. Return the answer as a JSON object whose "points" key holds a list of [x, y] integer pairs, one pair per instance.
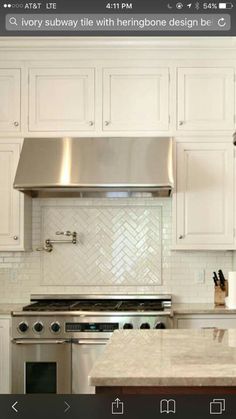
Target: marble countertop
{"points": [[167, 358], [201, 308]]}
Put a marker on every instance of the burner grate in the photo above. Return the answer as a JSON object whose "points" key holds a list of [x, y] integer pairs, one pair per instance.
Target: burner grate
{"points": [[141, 306], [104, 305], [96, 305]]}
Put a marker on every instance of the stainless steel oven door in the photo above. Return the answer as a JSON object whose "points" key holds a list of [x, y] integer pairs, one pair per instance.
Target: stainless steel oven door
{"points": [[41, 366], [84, 353]]}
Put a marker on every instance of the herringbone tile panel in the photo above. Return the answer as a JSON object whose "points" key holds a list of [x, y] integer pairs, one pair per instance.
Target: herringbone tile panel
{"points": [[117, 245]]}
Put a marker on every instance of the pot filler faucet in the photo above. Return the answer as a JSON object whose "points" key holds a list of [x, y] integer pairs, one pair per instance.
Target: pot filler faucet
{"points": [[48, 244]]}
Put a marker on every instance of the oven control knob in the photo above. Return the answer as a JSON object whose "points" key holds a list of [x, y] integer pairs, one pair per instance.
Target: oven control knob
{"points": [[145, 326], [55, 327], [128, 326], [160, 325], [23, 327], [38, 327]]}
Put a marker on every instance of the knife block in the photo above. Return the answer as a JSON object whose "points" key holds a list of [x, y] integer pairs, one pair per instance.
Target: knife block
{"points": [[220, 294]]}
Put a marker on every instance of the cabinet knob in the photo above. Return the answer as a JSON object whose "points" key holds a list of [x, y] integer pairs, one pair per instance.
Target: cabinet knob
{"points": [[16, 124], [91, 123], [181, 122], [15, 237], [181, 237], [107, 123]]}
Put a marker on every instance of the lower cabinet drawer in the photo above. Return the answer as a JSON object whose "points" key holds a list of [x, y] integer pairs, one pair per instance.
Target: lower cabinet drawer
{"points": [[205, 322]]}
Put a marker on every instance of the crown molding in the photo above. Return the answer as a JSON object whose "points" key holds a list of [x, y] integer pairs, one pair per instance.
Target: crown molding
{"points": [[179, 43]]}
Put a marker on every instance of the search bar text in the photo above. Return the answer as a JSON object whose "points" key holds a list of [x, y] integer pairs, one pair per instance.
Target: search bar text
{"points": [[118, 22]]}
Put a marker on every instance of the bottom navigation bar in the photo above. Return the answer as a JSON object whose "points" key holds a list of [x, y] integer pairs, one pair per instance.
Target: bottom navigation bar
{"points": [[104, 407]]}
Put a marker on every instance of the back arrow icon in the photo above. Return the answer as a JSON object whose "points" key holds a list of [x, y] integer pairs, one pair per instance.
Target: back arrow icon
{"points": [[67, 407], [14, 408]]}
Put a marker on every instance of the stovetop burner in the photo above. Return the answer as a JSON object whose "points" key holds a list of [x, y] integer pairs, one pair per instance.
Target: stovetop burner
{"points": [[95, 305], [141, 306]]}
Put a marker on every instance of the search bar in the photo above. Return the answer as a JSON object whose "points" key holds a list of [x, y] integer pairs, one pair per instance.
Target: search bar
{"points": [[117, 22]]}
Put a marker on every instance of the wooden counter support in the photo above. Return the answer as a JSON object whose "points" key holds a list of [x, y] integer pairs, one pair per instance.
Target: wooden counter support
{"points": [[167, 390]]}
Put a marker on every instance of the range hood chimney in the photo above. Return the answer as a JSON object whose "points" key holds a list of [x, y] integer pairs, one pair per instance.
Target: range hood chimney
{"points": [[74, 166]]}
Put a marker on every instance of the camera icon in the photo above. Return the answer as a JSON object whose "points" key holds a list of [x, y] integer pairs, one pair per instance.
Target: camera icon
{"points": [[217, 406]]}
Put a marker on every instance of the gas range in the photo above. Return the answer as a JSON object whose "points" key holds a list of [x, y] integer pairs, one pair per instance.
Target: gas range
{"points": [[57, 338], [69, 315]]}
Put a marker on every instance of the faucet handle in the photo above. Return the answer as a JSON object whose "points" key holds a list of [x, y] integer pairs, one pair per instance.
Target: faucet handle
{"points": [[64, 233], [47, 247], [39, 249]]}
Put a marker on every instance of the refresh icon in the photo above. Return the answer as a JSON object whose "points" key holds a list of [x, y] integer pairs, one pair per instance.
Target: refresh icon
{"points": [[221, 22]]}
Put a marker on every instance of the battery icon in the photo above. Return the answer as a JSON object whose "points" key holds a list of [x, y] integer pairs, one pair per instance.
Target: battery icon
{"points": [[226, 5]]}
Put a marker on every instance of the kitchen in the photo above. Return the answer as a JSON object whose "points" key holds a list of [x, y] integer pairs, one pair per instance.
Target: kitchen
{"points": [[129, 242]]}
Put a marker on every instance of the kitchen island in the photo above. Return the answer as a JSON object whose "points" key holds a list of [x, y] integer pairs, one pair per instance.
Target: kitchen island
{"points": [[168, 361]]}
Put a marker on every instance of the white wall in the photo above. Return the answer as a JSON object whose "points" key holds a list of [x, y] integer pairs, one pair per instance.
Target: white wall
{"points": [[136, 231]]}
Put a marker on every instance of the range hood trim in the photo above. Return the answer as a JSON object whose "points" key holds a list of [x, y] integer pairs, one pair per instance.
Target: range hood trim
{"points": [[94, 187]]}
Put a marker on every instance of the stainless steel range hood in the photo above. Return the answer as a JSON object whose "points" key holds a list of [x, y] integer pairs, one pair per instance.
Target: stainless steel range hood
{"points": [[72, 166]]}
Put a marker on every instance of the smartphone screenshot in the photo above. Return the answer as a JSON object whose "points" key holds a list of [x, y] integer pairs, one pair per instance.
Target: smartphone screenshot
{"points": [[117, 209]]}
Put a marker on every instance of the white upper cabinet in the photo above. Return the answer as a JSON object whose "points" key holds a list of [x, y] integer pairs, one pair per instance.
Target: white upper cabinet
{"points": [[135, 99], [10, 106], [15, 208], [61, 99], [205, 99], [203, 215], [10, 198]]}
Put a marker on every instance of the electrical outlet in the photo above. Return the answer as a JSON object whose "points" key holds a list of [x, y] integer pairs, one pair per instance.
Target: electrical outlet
{"points": [[199, 276]]}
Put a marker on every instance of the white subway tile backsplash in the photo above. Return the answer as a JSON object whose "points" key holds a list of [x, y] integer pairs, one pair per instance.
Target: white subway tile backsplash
{"points": [[125, 247], [11, 259], [5, 265]]}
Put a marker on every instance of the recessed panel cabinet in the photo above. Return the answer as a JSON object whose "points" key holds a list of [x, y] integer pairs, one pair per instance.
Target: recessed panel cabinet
{"points": [[126, 99], [61, 99], [135, 99], [203, 210], [10, 99], [15, 208], [205, 99]]}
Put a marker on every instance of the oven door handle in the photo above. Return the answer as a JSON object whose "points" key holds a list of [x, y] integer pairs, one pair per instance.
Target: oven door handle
{"points": [[39, 341], [90, 341]]}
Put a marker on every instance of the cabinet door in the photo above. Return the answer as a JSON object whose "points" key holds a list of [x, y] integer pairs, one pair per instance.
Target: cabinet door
{"points": [[205, 98], [4, 356], [9, 197], [61, 99], [207, 322], [10, 100], [204, 194], [135, 99]]}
